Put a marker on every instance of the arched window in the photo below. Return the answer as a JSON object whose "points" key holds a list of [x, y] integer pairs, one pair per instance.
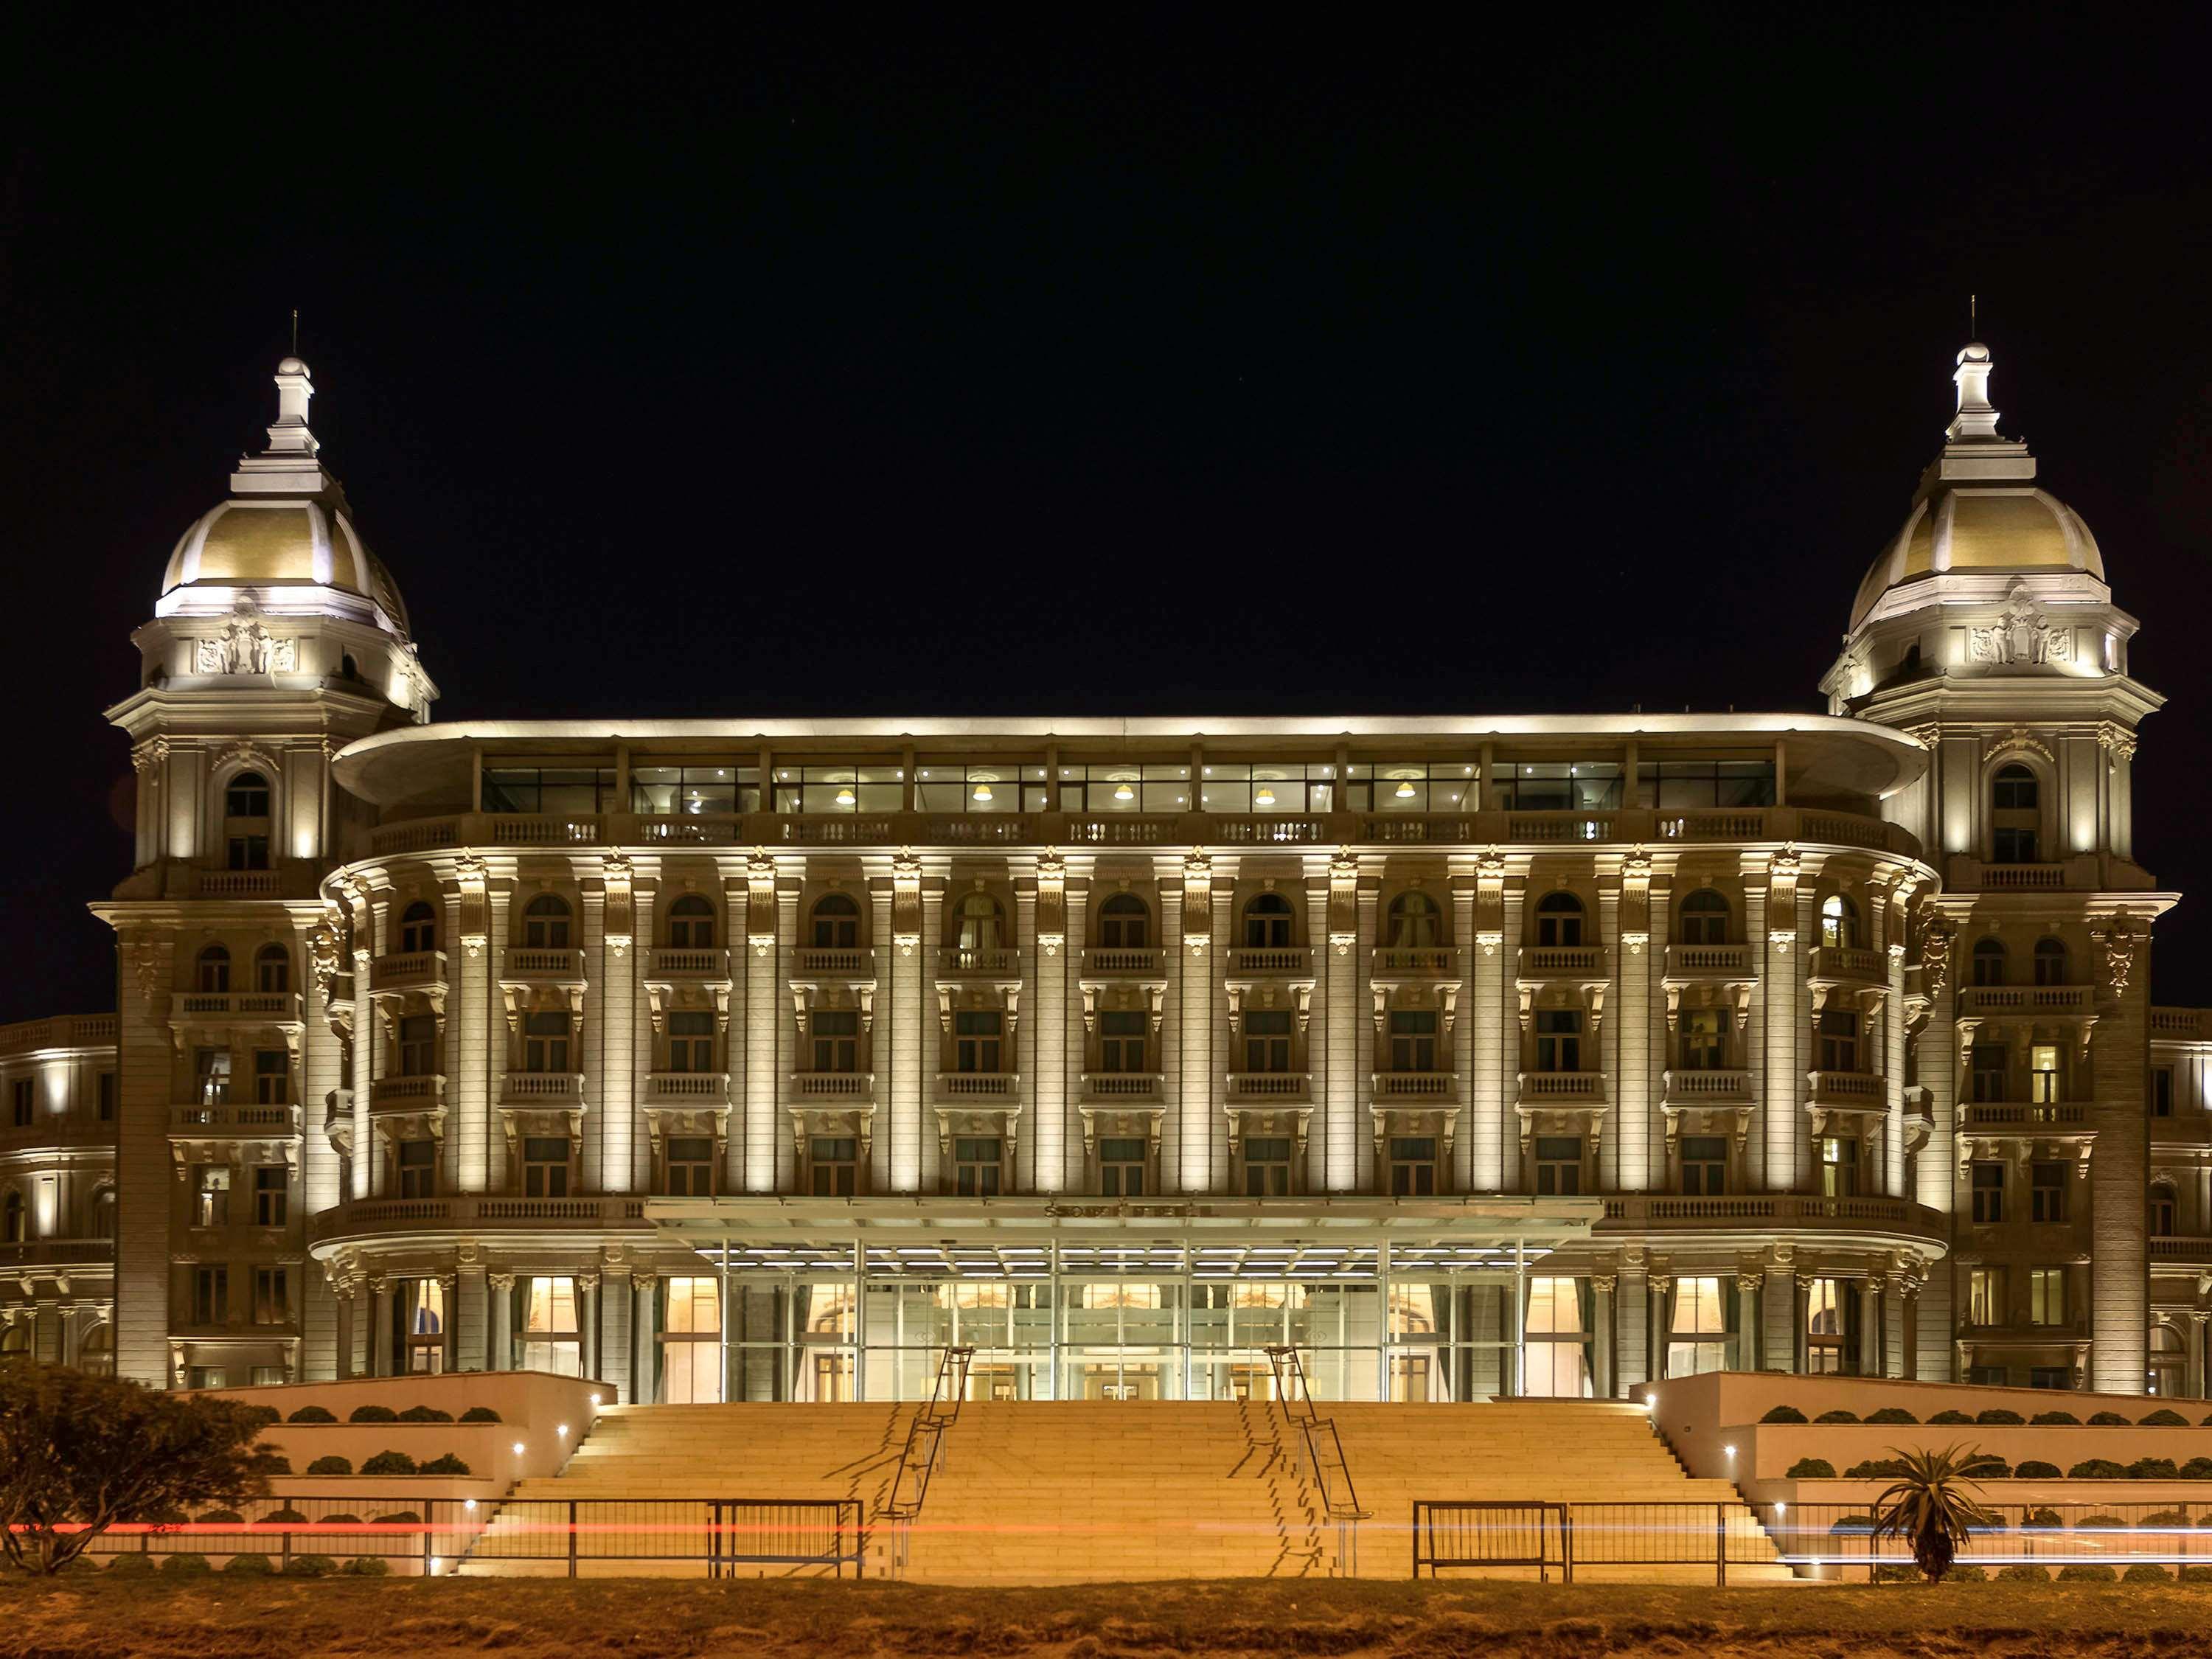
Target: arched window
{"points": [[215, 970], [1839, 923], [103, 1213], [2169, 1361], [1269, 922], [545, 923], [1704, 918], [246, 797], [349, 669], [2051, 961], [836, 923], [979, 922], [1989, 962], [245, 822], [691, 923], [1560, 920], [1412, 920], [13, 1222], [2164, 1211], [95, 1357], [16, 1339], [2016, 816], [1124, 923], [418, 928], [272, 969]]}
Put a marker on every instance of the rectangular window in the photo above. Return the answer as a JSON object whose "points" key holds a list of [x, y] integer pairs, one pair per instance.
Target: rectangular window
{"points": [[2043, 1073], [1124, 786], [272, 1306], [691, 1166], [836, 1037], [1704, 1039], [107, 1096], [2046, 1191], [272, 1185], [691, 1041], [1559, 1039], [834, 1166], [1827, 1307], [2046, 1296], [1121, 1166], [1414, 1040], [2161, 1092], [1698, 1338], [545, 1166], [1839, 1041], [1266, 1166], [545, 1042], [1991, 1063], [546, 1334], [1686, 785], [418, 1169], [1704, 1165], [1268, 787], [1555, 785], [976, 1160], [418, 1045], [1267, 1040], [249, 853], [975, 1040], [1411, 785], [1558, 1166], [1988, 1185], [210, 1296], [2043, 1376], [1985, 1298], [551, 786], [272, 1077], [1840, 1167], [211, 1195], [23, 1102], [692, 788], [852, 787], [1412, 1169], [956, 786], [691, 1342], [1122, 1040], [211, 1074]]}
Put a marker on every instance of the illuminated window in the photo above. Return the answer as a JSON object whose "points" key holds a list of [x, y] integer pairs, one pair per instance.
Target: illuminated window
{"points": [[547, 1334], [423, 1316], [1698, 1338], [1839, 923], [211, 1195], [2043, 1073], [1556, 1326], [1840, 1167], [952, 786], [1268, 787], [851, 787], [691, 1341], [1703, 1040], [1125, 786], [2046, 1296], [1827, 1305], [692, 789]]}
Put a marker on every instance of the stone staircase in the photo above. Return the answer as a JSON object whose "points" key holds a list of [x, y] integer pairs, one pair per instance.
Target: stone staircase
{"points": [[1045, 1491]]}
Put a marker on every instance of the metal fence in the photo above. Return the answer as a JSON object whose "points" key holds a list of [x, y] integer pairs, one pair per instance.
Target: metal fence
{"points": [[1837, 1538], [1451, 1534], [722, 1534], [424, 1534]]}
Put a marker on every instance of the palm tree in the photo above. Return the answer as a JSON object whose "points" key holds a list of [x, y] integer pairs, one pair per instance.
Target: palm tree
{"points": [[1935, 1504]]}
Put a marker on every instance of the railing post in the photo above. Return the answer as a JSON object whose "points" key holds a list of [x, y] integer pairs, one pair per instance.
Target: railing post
{"points": [[429, 1519], [288, 1548], [1720, 1545], [572, 1538], [1566, 1544]]}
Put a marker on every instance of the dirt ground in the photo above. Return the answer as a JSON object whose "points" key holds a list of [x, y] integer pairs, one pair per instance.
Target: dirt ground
{"points": [[208, 1618]]}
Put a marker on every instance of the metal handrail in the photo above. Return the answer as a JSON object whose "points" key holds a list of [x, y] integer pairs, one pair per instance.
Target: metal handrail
{"points": [[924, 1450], [1341, 1507]]}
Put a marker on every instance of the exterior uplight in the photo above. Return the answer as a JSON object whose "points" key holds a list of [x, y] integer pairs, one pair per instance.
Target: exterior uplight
{"points": [[470, 1505], [1730, 1451], [520, 1448], [595, 1403], [1650, 1402], [563, 1432]]}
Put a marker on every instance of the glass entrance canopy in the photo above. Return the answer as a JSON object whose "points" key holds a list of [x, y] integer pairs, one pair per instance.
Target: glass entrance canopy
{"points": [[831, 1300]]}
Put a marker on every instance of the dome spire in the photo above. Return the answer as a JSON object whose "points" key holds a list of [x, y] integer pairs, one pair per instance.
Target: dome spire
{"points": [[290, 435], [290, 466], [1975, 418]]}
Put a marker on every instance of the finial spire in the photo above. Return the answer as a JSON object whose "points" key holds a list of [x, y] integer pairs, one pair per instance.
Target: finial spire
{"points": [[296, 331], [1975, 418], [290, 436]]}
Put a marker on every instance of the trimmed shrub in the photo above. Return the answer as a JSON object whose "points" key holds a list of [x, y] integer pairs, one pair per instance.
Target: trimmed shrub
{"points": [[2196, 1573], [366, 1566], [2205, 1519], [399, 1518], [1810, 1469], [480, 1415], [1875, 1468], [2019, 1572], [1783, 1414], [448, 1463], [2164, 1418], [1987, 1467], [2096, 1468], [332, 1465], [2164, 1518], [2036, 1469], [285, 1517], [184, 1562], [253, 1566], [1895, 1572], [261, 1415], [2108, 1420], [1837, 1416], [1853, 1524], [312, 1567], [1964, 1573], [2198, 1468], [2055, 1419], [311, 1414], [1950, 1417], [279, 1464], [2000, 1417], [2099, 1523], [2042, 1520], [425, 1414], [372, 1415], [2153, 1468], [1892, 1414], [218, 1518], [2082, 1572], [340, 1520], [133, 1563], [166, 1515], [388, 1462], [2143, 1573]]}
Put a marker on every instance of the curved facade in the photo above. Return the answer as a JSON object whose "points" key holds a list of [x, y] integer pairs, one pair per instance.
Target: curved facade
{"points": [[725, 1058]]}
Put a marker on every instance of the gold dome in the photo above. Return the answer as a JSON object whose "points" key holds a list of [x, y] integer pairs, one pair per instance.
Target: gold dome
{"points": [[1967, 529]]}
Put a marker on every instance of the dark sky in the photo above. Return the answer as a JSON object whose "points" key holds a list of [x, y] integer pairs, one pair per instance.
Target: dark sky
{"points": [[1309, 361]]}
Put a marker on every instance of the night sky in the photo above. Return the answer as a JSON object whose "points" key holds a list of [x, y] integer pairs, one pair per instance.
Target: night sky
{"points": [[1312, 362]]}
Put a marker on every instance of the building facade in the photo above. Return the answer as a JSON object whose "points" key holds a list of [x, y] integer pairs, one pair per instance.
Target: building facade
{"points": [[723, 1058]]}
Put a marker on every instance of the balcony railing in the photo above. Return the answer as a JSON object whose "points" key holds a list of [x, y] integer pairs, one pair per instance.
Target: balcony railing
{"points": [[550, 1088], [473, 1212], [1000, 962], [2029, 1116], [1546, 961], [979, 1086], [1846, 963], [1709, 962], [2049, 1001], [534, 962], [2188, 1025], [57, 1252], [1413, 962], [1631, 1211], [236, 1008], [1865, 1090], [1285, 1088], [697, 1089], [237, 883], [1271, 962], [424, 1092], [1121, 1085], [1123, 962], [1564, 1088], [63, 1031], [2170, 1248], [406, 970], [849, 1086], [234, 1118], [1697, 1088], [688, 962], [1396, 1086], [834, 961]]}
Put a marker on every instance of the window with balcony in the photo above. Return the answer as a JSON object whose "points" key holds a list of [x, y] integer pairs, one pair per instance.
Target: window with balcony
{"points": [[211, 1076], [691, 1166], [2046, 1296], [1268, 787], [246, 811], [1689, 785], [1446, 786], [418, 1045], [1266, 1166], [418, 1167], [1267, 1040], [1702, 1043], [545, 1042], [1989, 1072], [545, 1166], [850, 787], [246, 797], [691, 789], [1704, 918], [1411, 1168], [835, 922], [1123, 1040], [1559, 920], [981, 926], [1121, 1166], [2016, 816], [1989, 962], [1988, 1179], [545, 922], [423, 1313], [2164, 1211], [1555, 785], [977, 1163], [1558, 1166], [1125, 923], [210, 1296], [834, 1036], [273, 970], [272, 1077], [1125, 785], [272, 1304], [418, 928], [552, 787], [272, 1186], [213, 978], [691, 1040], [23, 1104], [833, 1166], [691, 923], [547, 1332], [2051, 964], [1828, 1327], [1838, 1031], [997, 785], [1840, 922], [1840, 1167], [2043, 1086], [211, 1195], [1559, 1039], [1414, 1040], [977, 1040], [1985, 1296], [1269, 922], [1413, 922], [1704, 1165], [2046, 1191]]}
